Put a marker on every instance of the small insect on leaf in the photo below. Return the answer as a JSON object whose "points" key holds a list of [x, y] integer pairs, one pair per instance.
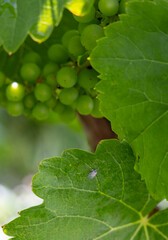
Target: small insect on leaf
{"points": [[92, 174]]}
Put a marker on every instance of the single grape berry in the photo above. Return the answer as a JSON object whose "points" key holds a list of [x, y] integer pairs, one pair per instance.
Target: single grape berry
{"points": [[96, 109], [58, 53], [108, 7], [67, 36], [75, 47], [2, 79], [81, 26], [87, 78], [40, 111], [15, 92], [30, 72], [42, 92], [29, 101], [68, 95], [90, 35], [32, 57], [87, 18], [15, 108], [66, 77], [84, 104], [50, 68]]}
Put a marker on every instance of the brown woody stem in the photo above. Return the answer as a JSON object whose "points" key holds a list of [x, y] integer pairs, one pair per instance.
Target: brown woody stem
{"points": [[97, 129]]}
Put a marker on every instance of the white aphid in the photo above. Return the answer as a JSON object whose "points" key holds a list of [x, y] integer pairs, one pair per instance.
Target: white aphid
{"points": [[92, 174]]}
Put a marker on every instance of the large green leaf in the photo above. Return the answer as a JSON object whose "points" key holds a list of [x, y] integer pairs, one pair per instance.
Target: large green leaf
{"points": [[113, 205], [19, 18], [133, 63]]}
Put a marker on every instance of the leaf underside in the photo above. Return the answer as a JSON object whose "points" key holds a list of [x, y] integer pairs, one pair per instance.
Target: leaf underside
{"points": [[19, 18], [133, 62], [115, 204]]}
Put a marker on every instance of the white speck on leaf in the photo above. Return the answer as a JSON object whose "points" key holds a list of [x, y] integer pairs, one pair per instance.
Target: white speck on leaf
{"points": [[92, 174]]}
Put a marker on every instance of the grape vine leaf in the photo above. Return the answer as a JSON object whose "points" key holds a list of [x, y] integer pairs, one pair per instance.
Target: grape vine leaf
{"points": [[19, 18], [115, 204], [133, 63]]}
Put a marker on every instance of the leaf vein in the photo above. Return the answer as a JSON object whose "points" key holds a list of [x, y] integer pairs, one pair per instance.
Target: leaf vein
{"points": [[91, 191], [157, 230], [150, 125]]}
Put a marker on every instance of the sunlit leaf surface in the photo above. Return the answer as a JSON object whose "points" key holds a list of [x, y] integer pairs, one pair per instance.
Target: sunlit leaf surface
{"points": [[18, 18]]}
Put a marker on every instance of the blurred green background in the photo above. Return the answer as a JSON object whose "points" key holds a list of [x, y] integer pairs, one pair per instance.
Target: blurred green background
{"points": [[23, 144]]}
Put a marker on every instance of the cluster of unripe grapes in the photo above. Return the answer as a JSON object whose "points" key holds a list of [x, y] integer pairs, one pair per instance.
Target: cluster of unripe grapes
{"points": [[62, 84]]}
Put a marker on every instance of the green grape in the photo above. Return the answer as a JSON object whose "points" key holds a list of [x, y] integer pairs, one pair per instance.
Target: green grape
{"points": [[66, 77], [68, 114], [58, 53], [32, 57], [29, 101], [15, 108], [40, 111], [84, 105], [59, 108], [87, 18], [96, 109], [68, 95], [81, 26], [51, 80], [108, 7], [75, 47], [67, 36], [87, 78], [51, 103], [90, 35], [14, 92], [50, 68], [30, 72], [42, 92], [2, 79]]}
